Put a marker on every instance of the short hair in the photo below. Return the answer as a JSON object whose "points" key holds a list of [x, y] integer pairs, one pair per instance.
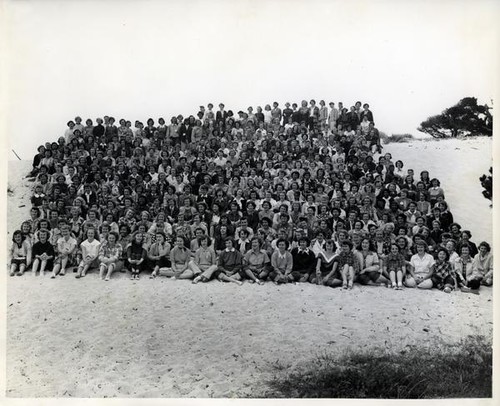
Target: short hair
{"points": [[159, 232], [421, 243], [446, 253], [16, 233], [348, 243], [484, 244], [256, 239], [280, 240], [469, 234]]}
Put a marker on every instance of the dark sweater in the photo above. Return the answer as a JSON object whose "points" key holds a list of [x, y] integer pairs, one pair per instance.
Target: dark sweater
{"points": [[303, 261]]}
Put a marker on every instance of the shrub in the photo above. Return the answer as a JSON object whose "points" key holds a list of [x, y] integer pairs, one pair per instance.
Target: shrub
{"points": [[463, 370], [396, 138], [487, 184]]}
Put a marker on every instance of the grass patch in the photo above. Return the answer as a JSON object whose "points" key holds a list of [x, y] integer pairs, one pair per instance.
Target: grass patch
{"points": [[463, 370], [396, 138]]}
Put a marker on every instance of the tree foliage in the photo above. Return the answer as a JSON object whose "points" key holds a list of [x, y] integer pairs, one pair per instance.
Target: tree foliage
{"points": [[487, 184], [463, 119]]}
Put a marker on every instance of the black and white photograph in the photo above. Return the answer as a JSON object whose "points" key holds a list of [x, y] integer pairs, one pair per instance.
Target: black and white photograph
{"points": [[249, 199]]}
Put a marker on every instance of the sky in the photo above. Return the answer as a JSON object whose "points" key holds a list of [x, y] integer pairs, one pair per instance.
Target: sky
{"points": [[135, 60]]}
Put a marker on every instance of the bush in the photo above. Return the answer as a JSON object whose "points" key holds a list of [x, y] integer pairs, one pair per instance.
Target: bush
{"points": [[463, 370], [487, 184], [396, 138]]}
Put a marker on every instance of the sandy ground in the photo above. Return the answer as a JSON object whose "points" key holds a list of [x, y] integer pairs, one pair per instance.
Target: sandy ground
{"points": [[162, 338]]}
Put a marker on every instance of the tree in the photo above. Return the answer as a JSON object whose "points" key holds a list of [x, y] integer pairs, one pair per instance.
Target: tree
{"points": [[487, 184], [464, 118]]}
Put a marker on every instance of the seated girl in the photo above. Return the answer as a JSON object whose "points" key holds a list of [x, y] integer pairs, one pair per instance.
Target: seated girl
{"points": [[348, 264], [483, 263], [159, 254], [89, 253], [421, 263], [179, 258], [43, 253], [326, 267], [20, 254], [230, 266], [110, 253], [136, 256], [204, 263], [256, 262], [395, 266], [66, 248], [370, 270], [442, 273]]}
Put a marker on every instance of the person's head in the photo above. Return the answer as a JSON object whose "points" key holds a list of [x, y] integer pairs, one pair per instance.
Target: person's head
{"points": [[18, 237], [112, 237], [443, 255], [179, 242], [435, 182], [43, 235], [229, 243], [255, 243], [421, 246], [366, 244], [394, 249], [34, 213], [138, 238], [329, 246], [465, 250], [484, 247], [282, 244], [346, 246], [466, 235], [455, 228], [450, 246]]}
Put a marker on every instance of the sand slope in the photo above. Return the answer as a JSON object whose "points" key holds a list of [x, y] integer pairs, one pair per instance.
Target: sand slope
{"points": [[162, 338], [458, 164]]}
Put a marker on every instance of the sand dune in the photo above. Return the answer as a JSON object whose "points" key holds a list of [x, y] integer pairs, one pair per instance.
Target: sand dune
{"points": [[163, 338]]}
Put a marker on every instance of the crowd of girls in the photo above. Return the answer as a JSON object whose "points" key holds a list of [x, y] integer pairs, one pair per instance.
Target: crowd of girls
{"points": [[299, 194]]}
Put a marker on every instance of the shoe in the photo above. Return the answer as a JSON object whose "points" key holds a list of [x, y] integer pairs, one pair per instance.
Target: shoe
{"points": [[137, 277], [447, 289], [52, 277]]}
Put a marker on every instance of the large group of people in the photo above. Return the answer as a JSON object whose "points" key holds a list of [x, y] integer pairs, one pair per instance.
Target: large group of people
{"points": [[300, 194]]}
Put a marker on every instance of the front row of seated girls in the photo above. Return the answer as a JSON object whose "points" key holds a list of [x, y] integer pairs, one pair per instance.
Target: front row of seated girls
{"points": [[235, 262]]}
